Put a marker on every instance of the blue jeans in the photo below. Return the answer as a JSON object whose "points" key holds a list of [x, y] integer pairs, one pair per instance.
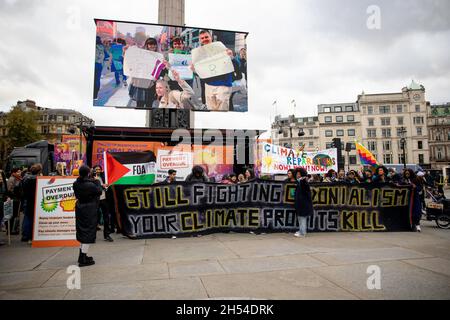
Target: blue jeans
{"points": [[302, 221], [27, 228]]}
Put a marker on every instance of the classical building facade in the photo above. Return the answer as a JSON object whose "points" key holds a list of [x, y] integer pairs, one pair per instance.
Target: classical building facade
{"points": [[340, 120], [287, 132], [386, 118], [383, 123], [439, 137], [52, 123]]}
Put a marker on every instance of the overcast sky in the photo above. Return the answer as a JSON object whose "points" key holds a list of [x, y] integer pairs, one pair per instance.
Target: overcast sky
{"points": [[312, 52]]}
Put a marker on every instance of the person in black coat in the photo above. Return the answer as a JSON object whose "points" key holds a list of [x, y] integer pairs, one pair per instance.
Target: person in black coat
{"points": [[29, 200], [303, 201], [87, 191]]}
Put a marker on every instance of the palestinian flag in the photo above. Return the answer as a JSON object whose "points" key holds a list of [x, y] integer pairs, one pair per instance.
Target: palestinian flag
{"points": [[129, 167]]}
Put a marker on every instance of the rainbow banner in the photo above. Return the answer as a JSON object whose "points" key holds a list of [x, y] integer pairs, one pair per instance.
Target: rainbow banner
{"points": [[365, 156]]}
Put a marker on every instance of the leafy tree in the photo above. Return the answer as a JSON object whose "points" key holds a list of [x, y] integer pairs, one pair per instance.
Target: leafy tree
{"points": [[22, 127]]}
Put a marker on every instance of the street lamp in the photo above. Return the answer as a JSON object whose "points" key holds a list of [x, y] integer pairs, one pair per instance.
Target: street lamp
{"points": [[402, 143], [79, 124]]}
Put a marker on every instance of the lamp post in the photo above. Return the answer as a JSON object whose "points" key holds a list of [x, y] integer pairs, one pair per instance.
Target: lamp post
{"points": [[79, 124], [402, 142]]}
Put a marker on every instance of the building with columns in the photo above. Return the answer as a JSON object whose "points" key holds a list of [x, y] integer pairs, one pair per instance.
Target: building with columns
{"points": [[386, 118], [439, 136]]}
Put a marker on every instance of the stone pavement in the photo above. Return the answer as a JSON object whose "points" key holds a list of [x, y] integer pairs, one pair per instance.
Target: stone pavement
{"points": [[241, 266]]}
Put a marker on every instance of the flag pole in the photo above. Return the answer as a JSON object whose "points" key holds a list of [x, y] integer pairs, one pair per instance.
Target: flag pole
{"points": [[105, 167]]}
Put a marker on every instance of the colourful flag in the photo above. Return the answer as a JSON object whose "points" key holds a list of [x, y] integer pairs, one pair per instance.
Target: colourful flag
{"points": [[130, 168], [365, 156]]}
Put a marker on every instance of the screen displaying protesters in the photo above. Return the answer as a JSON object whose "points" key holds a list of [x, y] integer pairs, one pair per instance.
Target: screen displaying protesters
{"points": [[87, 191], [212, 62]]}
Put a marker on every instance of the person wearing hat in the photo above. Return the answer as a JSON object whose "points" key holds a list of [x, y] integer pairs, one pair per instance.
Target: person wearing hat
{"points": [[87, 191], [303, 201]]}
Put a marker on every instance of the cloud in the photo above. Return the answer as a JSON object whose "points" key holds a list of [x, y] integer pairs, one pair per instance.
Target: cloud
{"points": [[312, 51]]}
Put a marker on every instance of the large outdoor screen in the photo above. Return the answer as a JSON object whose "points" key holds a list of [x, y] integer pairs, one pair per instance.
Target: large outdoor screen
{"points": [[146, 66]]}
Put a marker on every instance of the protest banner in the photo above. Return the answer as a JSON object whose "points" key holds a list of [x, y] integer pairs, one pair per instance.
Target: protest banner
{"points": [[184, 209], [54, 213], [182, 162], [278, 160]]}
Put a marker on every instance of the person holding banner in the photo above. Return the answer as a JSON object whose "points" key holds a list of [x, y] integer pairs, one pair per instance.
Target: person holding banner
{"points": [[217, 89], [87, 191], [303, 202], [410, 178], [143, 90]]}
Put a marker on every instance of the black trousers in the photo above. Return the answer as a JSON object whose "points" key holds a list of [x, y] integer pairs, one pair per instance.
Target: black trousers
{"points": [[103, 208]]}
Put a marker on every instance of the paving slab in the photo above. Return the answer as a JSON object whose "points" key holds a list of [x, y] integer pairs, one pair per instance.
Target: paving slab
{"points": [[55, 293], [437, 265], [170, 251], [399, 280], [194, 268], [367, 255], [24, 280], [267, 247], [99, 274], [123, 255], [108, 291], [24, 258], [287, 285], [250, 265], [174, 289]]}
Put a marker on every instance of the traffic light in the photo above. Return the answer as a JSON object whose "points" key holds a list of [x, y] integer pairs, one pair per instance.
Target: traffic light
{"points": [[337, 144]]}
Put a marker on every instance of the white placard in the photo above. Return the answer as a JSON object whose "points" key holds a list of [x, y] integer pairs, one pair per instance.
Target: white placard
{"points": [[180, 63], [182, 162], [144, 64], [212, 60]]}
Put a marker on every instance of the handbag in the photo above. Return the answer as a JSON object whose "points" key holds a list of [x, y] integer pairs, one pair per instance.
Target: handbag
{"points": [[7, 210]]}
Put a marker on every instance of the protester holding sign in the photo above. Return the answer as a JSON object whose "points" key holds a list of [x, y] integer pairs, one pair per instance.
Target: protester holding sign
{"points": [[87, 191], [303, 202], [217, 76]]}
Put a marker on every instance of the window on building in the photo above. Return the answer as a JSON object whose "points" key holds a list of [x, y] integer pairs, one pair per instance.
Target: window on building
{"points": [[372, 145], [44, 129], [351, 132], [417, 107], [387, 146], [349, 108], [52, 117], [60, 118], [58, 129], [371, 122], [351, 118], [420, 145], [338, 109], [327, 109], [385, 109], [328, 119], [328, 145], [311, 143], [387, 158], [439, 153], [419, 131], [328, 133], [418, 120], [311, 132], [369, 110], [3, 132], [385, 121], [352, 159], [399, 108], [66, 118], [285, 134], [400, 158], [339, 119], [340, 133], [421, 159], [371, 133], [400, 121], [385, 133]]}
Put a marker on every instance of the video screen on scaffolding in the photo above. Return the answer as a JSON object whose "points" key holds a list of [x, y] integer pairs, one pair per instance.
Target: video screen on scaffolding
{"points": [[148, 66]]}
